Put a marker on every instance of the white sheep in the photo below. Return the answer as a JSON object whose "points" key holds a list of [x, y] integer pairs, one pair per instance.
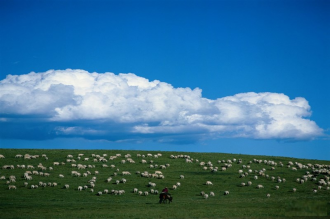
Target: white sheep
{"points": [[181, 176], [209, 183], [294, 189], [80, 188], [211, 193], [260, 186], [206, 196], [66, 186], [11, 187], [268, 195], [174, 187], [99, 193], [226, 193], [146, 193]]}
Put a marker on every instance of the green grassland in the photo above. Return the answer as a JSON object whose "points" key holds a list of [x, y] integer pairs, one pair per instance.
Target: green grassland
{"points": [[242, 202]]}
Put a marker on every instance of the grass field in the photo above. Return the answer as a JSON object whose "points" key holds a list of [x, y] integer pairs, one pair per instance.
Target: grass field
{"points": [[242, 201]]}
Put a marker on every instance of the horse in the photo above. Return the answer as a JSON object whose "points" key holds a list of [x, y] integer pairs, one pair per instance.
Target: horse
{"points": [[165, 198]]}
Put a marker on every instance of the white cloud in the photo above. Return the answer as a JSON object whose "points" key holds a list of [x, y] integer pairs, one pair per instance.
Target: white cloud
{"points": [[94, 105]]}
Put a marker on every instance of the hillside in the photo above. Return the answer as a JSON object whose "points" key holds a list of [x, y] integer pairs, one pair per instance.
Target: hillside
{"points": [[141, 169]]}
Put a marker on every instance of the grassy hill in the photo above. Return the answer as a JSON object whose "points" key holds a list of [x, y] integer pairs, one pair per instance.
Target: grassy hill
{"points": [[243, 201]]}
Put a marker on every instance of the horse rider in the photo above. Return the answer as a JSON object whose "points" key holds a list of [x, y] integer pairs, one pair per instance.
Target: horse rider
{"points": [[163, 194]]}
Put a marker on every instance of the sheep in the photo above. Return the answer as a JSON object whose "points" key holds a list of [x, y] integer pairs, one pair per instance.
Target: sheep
{"points": [[202, 193], [99, 193], [174, 187], [294, 190], [178, 184], [268, 195], [66, 186], [2, 157], [277, 187], [80, 188], [211, 193], [105, 191], [11, 187], [140, 192], [226, 193], [260, 186], [206, 196], [242, 184], [146, 193], [135, 190], [249, 183], [208, 183]]}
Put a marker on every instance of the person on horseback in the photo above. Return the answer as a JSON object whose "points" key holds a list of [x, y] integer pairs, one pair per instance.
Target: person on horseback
{"points": [[163, 195]]}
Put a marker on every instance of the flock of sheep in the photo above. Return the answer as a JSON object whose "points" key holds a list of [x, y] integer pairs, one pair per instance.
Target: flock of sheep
{"points": [[85, 167]]}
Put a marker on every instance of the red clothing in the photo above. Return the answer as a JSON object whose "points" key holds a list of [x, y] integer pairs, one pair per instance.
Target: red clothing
{"points": [[165, 190]]}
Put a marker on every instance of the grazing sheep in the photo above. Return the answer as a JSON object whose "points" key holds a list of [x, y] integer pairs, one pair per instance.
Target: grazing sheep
{"points": [[249, 183], [140, 192], [277, 187], [181, 176], [242, 184], [211, 193], [268, 195], [135, 190], [226, 193], [206, 196], [80, 188], [146, 193], [202, 193], [11, 187], [66, 186], [260, 186], [105, 191], [174, 187], [99, 193], [208, 183]]}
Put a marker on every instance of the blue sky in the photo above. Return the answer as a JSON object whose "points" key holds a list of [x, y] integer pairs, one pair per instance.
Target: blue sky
{"points": [[234, 59]]}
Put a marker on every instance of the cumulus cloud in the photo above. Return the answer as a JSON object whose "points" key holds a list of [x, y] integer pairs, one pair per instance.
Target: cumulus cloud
{"points": [[76, 103]]}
